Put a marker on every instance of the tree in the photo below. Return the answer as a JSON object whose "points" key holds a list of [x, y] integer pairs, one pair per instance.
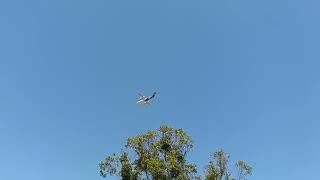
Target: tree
{"points": [[163, 154], [218, 168]]}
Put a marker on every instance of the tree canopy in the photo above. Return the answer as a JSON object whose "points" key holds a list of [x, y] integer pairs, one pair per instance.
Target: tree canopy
{"points": [[163, 154]]}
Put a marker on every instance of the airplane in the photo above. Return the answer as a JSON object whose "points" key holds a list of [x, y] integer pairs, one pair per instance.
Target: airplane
{"points": [[145, 100]]}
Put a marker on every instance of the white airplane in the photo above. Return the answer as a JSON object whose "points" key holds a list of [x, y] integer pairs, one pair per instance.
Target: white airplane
{"points": [[145, 100]]}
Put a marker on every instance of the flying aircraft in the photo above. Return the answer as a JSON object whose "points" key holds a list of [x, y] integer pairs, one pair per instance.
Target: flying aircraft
{"points": [[145, 100]]}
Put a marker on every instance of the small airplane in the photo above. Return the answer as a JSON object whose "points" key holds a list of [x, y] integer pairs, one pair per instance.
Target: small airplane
{"points": [[145, 100]]}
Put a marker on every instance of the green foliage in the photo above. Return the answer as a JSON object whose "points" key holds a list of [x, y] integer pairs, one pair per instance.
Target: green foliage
{"points": [[163, 154], [243, 170], [218, 168]]}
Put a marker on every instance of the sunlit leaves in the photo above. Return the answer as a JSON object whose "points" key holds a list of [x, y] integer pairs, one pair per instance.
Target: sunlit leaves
{"points": [[163, 154], [243, 170], [156, 155], [218, 169]]}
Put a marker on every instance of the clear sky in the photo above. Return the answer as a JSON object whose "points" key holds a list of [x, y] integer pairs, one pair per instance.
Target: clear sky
{"points": [[237, 75]]}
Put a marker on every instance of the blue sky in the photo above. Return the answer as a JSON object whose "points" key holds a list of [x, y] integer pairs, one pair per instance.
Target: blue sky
{"points": [[237, 75]]}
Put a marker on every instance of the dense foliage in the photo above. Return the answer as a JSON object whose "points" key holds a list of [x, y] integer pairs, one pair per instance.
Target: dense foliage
{"points": [[163, 154]]}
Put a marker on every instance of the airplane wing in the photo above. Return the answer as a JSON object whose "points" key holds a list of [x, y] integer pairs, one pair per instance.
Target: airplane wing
{"points": [[141, 96], [153, 95], [140, 101]]}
